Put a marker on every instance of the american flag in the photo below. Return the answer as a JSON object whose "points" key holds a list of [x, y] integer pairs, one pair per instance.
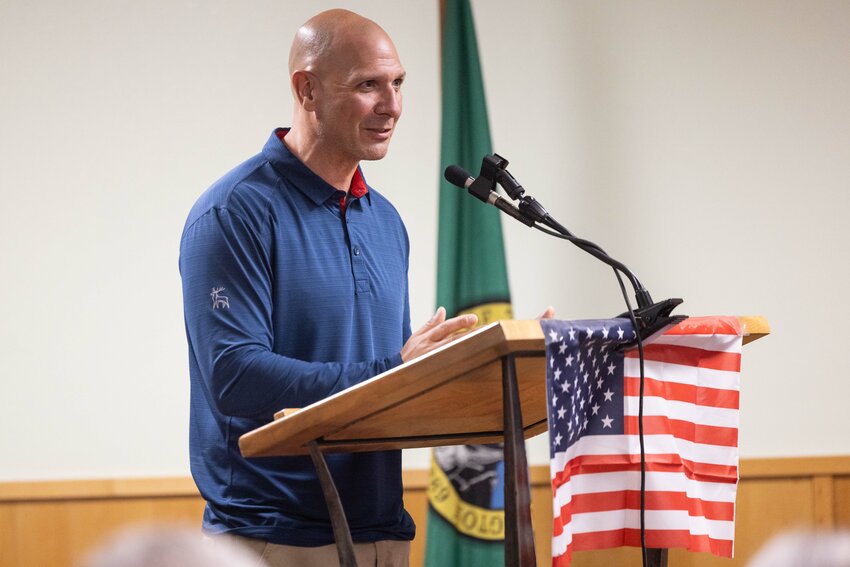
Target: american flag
{"points": [[691, 392]]}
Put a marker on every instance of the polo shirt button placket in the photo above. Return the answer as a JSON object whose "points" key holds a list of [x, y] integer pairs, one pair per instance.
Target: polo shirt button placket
{"points": [[358, 265]]}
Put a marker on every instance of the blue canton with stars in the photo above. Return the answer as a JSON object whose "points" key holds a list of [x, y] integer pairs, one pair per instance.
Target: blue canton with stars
{"points": [[584, 378]]}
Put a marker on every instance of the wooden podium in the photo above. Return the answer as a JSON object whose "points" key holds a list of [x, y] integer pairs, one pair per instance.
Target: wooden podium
{"points": [[488, 386]]}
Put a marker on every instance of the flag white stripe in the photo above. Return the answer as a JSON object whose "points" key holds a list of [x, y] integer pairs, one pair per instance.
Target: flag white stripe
{"points": [[686, 411], [563, 496], [594, 483], [660, 481], [653, 444], [560, 543], [655, 520], [681, 374]]}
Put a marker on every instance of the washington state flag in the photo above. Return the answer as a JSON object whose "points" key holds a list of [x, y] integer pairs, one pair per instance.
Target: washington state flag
{"points": [[466, 517]]}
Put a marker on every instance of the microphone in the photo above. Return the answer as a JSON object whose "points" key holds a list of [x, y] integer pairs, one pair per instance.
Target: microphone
{"points": [[461, 178], [458, 176]]}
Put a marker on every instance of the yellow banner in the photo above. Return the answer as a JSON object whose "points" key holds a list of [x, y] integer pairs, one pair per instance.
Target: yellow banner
{"points": [[489, 312]]}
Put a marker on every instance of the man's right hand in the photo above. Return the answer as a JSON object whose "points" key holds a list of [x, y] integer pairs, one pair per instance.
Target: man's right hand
{"points": [[435, 333]]}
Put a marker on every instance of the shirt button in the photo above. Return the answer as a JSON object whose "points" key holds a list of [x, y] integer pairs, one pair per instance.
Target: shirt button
{"points": [[356, 251]]}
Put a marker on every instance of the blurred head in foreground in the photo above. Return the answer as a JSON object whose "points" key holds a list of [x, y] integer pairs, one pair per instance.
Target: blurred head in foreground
{"points": [[825, 548], [170, 546]]}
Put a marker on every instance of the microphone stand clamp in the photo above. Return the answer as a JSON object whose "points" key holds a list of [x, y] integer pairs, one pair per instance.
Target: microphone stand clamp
{"points": [[654, 319]]}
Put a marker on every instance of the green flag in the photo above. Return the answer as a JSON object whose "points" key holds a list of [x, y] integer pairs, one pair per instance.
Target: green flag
{"points": [[466, 516]]}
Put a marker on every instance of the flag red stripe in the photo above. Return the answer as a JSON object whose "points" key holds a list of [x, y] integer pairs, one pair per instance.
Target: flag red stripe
{"points": [[674, 391], [588, 464], [563, 560], [689, 356], [655, 500], [654, 538], [707, 326], [705, 434], [630, 500]]}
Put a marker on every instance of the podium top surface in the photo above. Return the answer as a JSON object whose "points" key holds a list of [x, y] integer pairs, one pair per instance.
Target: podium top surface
{"points": [[450, 396]]}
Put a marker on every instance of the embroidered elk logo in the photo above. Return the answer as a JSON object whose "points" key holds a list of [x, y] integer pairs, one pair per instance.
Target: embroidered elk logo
{"points": [[219, 301]]}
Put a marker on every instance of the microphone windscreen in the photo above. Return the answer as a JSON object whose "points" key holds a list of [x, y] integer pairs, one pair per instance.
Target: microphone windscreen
{"points": [[456, 175]]}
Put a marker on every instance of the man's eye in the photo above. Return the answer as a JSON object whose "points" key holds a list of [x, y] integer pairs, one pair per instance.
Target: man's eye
{"points": [[368, 84], [397, 84]]}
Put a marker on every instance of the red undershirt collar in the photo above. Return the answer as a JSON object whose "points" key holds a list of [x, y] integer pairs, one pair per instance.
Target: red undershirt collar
{"points": [[358, 186]]}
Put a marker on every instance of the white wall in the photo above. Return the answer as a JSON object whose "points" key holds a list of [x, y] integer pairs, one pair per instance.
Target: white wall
{"points": [[705, 143]]}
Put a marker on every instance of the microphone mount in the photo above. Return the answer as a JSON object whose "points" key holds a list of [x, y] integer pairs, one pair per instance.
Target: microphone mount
{"points": [[651, 317]]}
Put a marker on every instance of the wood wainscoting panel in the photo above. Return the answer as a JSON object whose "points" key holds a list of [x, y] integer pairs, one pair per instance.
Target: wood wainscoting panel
{"points": [[60, 533], [841, 493], [54, 524], [416, 504], [9, 555]]}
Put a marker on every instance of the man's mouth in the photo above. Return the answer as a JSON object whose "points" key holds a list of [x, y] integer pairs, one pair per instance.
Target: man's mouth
{"points": [[380, 132]]}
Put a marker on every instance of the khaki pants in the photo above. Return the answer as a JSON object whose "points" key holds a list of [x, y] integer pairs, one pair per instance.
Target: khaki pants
{"points": [[386, 553]]}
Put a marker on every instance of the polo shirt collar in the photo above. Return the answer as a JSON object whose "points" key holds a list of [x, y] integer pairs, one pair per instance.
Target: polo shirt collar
{"points": [[314, 187]]}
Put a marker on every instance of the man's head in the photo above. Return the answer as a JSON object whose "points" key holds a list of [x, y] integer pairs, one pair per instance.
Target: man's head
{"points": [[346, 79]]}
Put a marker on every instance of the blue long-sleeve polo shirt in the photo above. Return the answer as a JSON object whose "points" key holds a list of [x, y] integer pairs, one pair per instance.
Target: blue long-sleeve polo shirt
{"points": [[288, 300]]}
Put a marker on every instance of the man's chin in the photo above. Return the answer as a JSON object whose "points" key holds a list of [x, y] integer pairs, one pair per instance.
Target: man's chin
{"points": [[375, 152]]}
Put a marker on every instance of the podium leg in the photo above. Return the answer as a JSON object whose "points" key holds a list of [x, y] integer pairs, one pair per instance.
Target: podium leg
{"points": [[519, 538], [342, 535], [656, 557]]}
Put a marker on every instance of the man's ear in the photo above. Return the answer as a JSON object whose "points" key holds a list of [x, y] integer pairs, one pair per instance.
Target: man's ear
{"points": [[304, 87]]}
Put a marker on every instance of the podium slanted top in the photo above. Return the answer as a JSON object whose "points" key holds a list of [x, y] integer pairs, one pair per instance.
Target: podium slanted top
{"points": [[450, 396]]}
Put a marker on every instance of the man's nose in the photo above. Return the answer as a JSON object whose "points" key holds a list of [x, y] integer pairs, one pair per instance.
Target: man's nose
{"points": [[390, 103]]}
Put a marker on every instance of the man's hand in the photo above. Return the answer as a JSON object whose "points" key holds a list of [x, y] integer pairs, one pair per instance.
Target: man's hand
{"points": [[435, 333], [548, 314]]}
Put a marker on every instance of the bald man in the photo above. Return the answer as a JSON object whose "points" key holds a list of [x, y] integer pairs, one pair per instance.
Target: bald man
{"points": [[295, 287]]}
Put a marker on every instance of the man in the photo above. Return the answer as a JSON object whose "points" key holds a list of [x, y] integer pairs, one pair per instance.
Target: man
{"points": [[295, 288]]}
